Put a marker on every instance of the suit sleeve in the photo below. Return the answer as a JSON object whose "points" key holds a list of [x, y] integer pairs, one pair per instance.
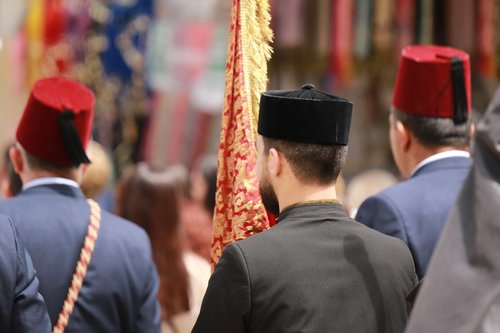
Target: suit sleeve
{"points": [[29, 312], [226, 305], [380, 214]]}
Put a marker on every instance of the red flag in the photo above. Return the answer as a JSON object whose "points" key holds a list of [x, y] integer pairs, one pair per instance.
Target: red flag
{"points": [[239, 212], [485, 42], [342, 32]]}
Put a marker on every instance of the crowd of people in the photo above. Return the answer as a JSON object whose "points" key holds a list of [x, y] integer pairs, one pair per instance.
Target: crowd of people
{"points": [[79, 256]]}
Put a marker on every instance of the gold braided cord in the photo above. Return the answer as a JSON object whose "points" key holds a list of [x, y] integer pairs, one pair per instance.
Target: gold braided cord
{"points": [[81, 267], [256, 36]]}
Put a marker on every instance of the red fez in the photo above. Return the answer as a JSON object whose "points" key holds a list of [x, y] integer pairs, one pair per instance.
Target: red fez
{"points": [[433, 81], [57, 121]]}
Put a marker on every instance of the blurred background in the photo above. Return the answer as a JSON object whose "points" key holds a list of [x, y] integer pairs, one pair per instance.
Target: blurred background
{"points": [[157, 67]]}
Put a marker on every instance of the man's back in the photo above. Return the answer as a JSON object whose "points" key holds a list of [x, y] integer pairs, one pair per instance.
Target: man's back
{"points": [[119, 290], [316, 271], [416, 210]]}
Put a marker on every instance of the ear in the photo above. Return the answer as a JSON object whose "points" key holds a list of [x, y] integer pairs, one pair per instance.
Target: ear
{"points": [[274, 162], [17, 160], [405, 137], [472, 132], [84, 167]]}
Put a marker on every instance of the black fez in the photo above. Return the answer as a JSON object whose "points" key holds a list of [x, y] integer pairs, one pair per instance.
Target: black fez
{"points": [[305, 115]]}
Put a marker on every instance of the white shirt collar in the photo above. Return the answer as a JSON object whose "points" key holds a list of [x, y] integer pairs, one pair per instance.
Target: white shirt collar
{"points": [[50, 181], [440, 156]]}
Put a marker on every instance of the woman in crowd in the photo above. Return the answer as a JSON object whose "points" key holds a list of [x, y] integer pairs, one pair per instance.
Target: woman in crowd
{"points": [[150, 198]]}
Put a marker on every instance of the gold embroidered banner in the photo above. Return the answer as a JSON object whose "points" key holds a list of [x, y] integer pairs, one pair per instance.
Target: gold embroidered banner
{"points": [[239, 212]]}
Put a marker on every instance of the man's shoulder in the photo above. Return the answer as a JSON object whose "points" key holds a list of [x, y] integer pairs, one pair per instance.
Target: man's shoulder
{"points": [[402, 194], [5, 222], [346, 227], [378, 240], [410, 192], [119, 230], [260, 240], [8, 235]]}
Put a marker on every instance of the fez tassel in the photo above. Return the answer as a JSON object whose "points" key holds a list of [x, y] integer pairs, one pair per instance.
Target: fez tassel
{"points": [[71, 139], [460, 98], [239, 212]]}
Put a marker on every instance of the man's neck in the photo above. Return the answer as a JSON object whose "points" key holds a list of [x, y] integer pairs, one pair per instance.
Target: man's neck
{"points": [[37, 174], [422, 152], [305, 193]]}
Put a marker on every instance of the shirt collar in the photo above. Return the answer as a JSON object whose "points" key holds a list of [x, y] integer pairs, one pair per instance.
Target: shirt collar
{"points": [[440, 156], [50, 181]]}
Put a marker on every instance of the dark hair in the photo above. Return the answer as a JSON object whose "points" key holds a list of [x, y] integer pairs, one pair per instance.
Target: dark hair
{"points": [[208, 169], [311, 163], [434, 132], [150, 198], [36, 163]]}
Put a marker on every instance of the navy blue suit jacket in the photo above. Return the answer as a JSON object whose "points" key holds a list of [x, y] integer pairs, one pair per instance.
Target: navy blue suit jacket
{"points": [[22, 309], [119, 290], [416, 210]]}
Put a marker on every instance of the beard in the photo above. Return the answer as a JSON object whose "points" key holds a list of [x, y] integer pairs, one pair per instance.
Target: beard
{"points": [[269, 198]]}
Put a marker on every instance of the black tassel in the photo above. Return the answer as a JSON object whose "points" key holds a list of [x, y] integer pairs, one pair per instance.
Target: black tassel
{"points": [[71, 139], [460, 114]]}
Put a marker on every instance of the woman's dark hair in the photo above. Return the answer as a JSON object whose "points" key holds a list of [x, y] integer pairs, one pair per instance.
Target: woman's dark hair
{"points": [[149, 197], [208, 169]]}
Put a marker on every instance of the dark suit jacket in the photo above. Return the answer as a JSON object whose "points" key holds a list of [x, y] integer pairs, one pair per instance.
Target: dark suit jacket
{"points": [[315, 271], [416, 210], [22, 309], [119, 290]]}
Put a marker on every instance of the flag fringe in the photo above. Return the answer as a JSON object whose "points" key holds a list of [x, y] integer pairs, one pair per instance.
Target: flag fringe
{"points": [[256, 38]]}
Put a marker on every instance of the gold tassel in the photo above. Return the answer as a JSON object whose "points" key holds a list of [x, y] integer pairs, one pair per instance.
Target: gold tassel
{"points": [[256, 36]]}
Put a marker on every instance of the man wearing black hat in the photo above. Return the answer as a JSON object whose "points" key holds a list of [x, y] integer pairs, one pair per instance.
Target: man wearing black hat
{"points": [[430, 132], [316, 270], [96, 270]]}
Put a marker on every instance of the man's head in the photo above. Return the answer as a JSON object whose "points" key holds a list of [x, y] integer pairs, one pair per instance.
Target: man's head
{"points": [[303, 135], [431, 104], [55, 128]]}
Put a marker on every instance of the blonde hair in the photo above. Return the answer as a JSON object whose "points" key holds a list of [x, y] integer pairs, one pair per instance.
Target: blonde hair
{"points": [[97, 174], [366, 184]]}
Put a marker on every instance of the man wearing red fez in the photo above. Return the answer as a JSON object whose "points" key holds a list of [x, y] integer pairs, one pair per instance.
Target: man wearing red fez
{"points": [[430, 132], [316, 270], [96, 271]]}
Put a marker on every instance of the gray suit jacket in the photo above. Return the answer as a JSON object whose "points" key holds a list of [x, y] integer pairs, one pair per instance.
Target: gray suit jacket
{"points": [[22, 309], [315, 271]]}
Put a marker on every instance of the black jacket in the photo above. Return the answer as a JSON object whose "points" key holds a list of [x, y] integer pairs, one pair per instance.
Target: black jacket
{"points": [[316, 271]]}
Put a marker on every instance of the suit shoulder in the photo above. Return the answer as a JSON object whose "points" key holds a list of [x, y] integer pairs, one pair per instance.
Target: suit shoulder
{"points": [[384, 246], [5, 222], [8, 234], [393, 199], [118, 229], [255, 241]]}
